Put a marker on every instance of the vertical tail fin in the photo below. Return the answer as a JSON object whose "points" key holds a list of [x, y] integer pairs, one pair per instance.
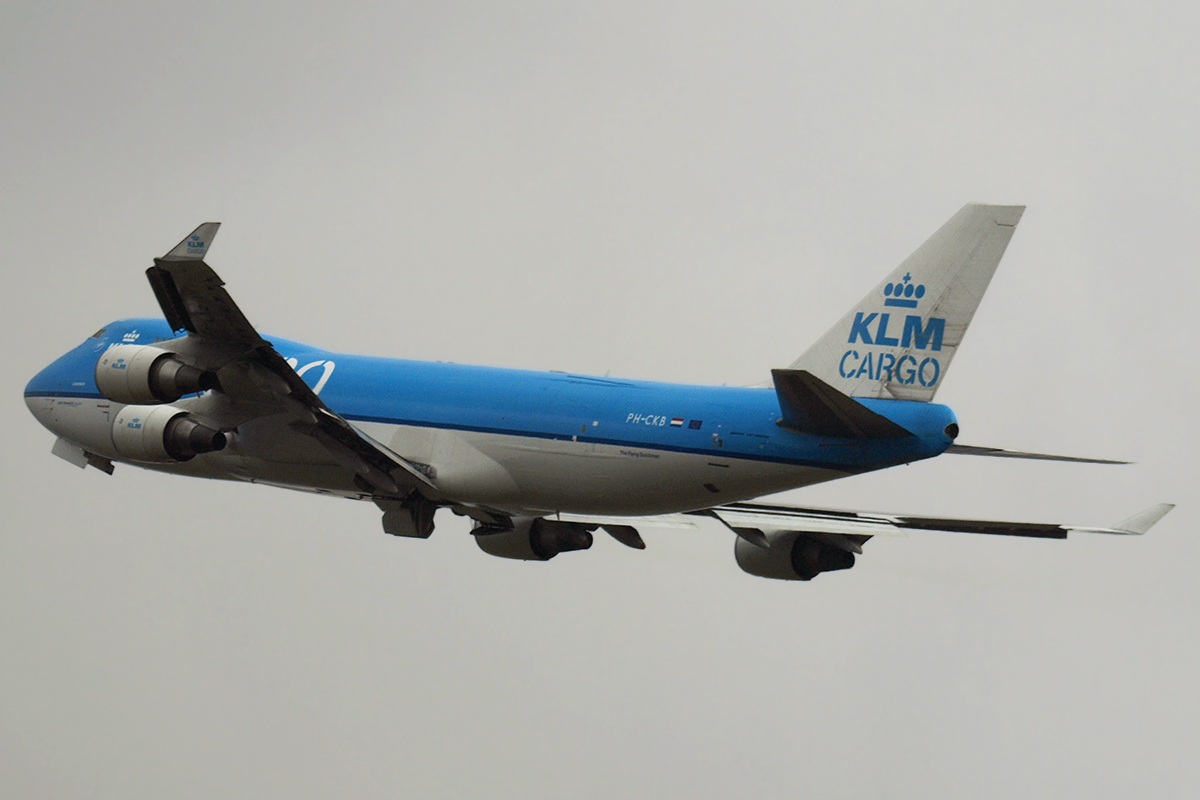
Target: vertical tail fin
{"points": [[898, 342]]}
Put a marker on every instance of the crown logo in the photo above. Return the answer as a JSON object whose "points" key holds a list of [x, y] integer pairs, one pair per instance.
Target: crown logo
{"points": [[903, 294]]}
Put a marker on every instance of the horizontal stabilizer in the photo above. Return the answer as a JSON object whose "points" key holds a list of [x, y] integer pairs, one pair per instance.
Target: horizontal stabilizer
{"points": [[810, 405], [996, 452]]}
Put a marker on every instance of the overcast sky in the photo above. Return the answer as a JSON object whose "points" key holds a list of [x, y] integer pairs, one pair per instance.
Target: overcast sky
{"points": [[681, 191]]}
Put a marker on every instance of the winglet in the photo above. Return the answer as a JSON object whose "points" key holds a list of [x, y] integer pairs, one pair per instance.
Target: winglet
{"points": [[1140, 523], [196, 245], [1135, 525]]}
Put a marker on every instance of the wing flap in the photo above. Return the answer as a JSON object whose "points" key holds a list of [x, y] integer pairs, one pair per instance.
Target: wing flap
{"points": [[771, 519], [678, 521], [193, 297], [169, 299], [995, 528]]}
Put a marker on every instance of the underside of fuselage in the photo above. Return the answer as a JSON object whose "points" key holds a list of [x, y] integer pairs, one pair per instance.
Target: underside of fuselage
{"points": [[525, 475]]}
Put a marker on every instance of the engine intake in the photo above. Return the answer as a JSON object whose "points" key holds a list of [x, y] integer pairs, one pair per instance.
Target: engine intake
{"points": [[793, 556], [535, 539], [131, 373], [162, 434]]}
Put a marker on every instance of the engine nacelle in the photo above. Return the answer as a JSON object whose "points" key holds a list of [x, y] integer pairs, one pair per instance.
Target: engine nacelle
{"points": [[793, 556], [536, 539], [162, 434], [135, 373]]}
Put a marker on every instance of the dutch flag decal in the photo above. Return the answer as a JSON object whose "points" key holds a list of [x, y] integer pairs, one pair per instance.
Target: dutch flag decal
{"points": [[677, 422]]}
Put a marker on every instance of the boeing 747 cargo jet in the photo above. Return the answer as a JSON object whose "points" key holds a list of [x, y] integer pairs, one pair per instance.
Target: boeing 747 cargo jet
{"points": [[540, 461]]}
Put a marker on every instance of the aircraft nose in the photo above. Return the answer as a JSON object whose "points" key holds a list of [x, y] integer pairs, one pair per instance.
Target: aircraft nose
{"points": [[40, 395], [40, 407], [67, 378]]}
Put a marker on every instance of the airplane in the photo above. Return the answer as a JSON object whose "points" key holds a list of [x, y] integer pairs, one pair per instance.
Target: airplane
{"points": [[539, 461]]}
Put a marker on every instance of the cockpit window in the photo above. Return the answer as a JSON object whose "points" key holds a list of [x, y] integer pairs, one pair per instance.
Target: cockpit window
{"points": [[99, 333]]}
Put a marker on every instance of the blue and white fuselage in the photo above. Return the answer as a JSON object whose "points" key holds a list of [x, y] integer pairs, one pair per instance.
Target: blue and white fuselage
{"points": [[523, 442]]}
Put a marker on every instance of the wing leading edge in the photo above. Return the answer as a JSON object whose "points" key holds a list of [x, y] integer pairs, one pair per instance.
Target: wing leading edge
{"points": [[769, 519]]}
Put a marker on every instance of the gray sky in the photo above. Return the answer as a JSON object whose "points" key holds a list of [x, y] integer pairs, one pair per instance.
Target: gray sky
{"points": [[689, 192]]}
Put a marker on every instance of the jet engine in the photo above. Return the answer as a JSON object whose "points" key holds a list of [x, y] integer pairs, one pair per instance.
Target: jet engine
{"points": [[792, 556], [131, 373], [533, 539], [162, 434]]}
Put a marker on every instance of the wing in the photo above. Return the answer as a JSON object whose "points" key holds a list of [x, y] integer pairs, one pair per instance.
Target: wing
{"points": [[257, 384], [849, 530], [773, 518]]}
